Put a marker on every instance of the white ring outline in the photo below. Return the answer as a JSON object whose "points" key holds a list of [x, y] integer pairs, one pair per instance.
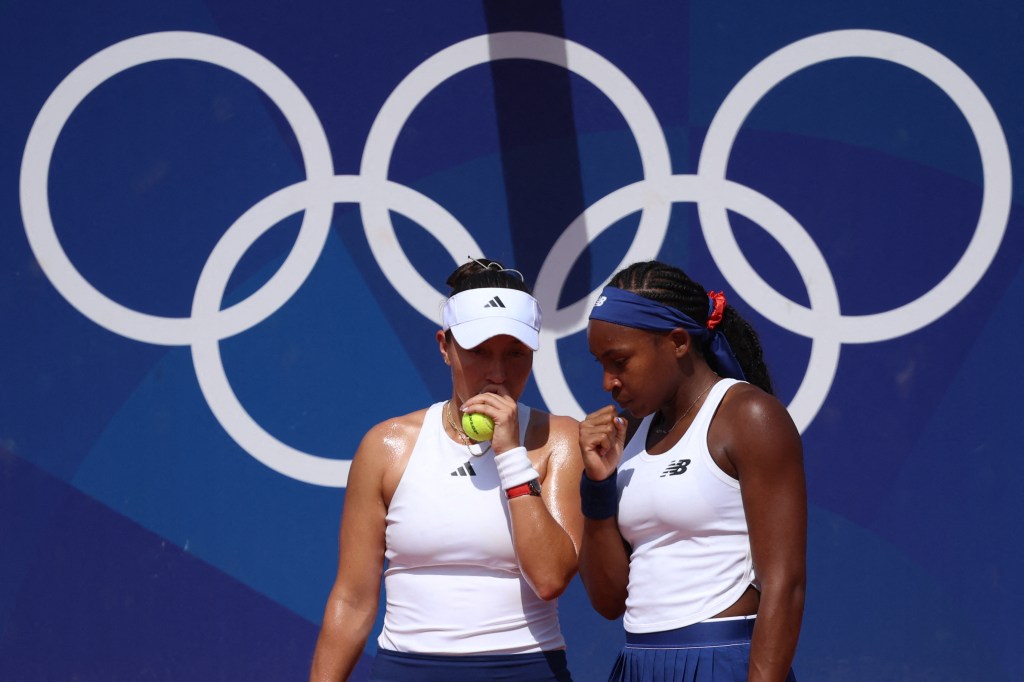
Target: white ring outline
{"points": [[213, 281], [824, 357], [582, 61], [208, 325], [725, 251], [996, 173], [82, 81]]}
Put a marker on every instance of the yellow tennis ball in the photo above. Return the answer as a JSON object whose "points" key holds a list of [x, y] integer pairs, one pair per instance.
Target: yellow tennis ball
{"points": [[478, 426]]}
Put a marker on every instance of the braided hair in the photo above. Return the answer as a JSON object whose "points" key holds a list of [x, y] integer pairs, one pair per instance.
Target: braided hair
{"points": [[672, 287]]}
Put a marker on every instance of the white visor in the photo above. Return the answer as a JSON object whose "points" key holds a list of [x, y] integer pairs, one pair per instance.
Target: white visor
{"points": [[475, 315]]}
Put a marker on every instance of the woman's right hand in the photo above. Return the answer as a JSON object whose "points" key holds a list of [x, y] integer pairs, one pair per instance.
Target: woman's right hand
{"points": [[602, 439]]}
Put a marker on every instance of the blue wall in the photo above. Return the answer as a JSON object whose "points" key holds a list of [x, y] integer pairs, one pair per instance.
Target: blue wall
{"points": [[221, 243]]}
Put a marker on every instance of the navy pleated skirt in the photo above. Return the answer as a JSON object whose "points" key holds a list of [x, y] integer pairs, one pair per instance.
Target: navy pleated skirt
{"points": [[394, 666], [716, 651]]}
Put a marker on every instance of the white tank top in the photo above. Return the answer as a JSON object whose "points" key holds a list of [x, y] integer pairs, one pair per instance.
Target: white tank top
{"points": [[453, 584], [683, 517]]}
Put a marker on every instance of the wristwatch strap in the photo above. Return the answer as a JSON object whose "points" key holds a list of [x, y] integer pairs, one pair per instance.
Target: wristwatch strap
{"points": [[528, 488]]}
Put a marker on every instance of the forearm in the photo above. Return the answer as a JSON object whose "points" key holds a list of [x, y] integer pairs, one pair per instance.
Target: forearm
{"points": [[604, 566], [776, 631], [545, 526], [342, 638], [545, 551]]}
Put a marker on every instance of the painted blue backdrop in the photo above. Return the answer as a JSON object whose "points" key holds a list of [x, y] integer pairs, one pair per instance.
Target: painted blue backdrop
{"points": [[223, 226]]}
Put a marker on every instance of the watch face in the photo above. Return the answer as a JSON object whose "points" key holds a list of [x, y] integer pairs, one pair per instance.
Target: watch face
{"points": [[534, 487]]}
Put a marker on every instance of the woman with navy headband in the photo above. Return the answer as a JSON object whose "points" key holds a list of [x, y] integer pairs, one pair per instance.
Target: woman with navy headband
{"points": [[480, 538], [694, 498]]}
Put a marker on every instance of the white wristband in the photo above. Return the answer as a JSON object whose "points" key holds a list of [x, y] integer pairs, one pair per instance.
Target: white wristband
{"points": [[514, 468]]}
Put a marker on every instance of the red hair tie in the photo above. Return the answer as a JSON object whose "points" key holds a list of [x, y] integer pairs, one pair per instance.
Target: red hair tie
{"points": [[716, 306]]}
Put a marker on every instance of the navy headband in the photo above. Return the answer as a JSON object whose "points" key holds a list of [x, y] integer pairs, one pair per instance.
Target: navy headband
{"points": [[619, 306]]}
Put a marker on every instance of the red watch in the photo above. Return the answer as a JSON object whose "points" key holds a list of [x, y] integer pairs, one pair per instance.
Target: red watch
{"points": [[529, 488]]}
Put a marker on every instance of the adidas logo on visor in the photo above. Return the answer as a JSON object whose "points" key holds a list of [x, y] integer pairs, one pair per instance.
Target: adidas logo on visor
{"points": [[475, 315]]}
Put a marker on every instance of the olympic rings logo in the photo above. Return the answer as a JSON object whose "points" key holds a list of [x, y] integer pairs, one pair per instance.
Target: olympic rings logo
{"points": [[376, 195]]}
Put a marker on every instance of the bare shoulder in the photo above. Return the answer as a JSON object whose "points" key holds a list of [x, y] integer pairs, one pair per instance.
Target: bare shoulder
{"points": [[390, 442], [548, 430], [390, 431], [564, 429], [553, 440], [749, 421], [747, 404]]}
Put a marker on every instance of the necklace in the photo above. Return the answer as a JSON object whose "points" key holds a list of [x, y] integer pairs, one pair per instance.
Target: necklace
{"points": [[474, 448], [659, 429]]}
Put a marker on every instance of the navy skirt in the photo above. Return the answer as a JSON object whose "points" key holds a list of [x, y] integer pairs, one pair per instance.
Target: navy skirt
{"points": [[717, 651], [394, 666]]}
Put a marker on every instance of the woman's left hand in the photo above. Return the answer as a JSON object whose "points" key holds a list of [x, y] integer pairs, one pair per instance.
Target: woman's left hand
{"points": [[505, 413]]}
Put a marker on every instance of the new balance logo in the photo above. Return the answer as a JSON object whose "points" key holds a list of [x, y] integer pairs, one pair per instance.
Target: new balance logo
{"points": [[495, 303], [673, 469], [464, 470]]}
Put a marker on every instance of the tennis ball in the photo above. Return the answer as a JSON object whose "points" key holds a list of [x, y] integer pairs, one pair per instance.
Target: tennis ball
{"points": [[478, 426]]}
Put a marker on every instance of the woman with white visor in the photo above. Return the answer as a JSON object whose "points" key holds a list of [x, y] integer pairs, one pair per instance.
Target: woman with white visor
{"points": [[480, 534]]}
